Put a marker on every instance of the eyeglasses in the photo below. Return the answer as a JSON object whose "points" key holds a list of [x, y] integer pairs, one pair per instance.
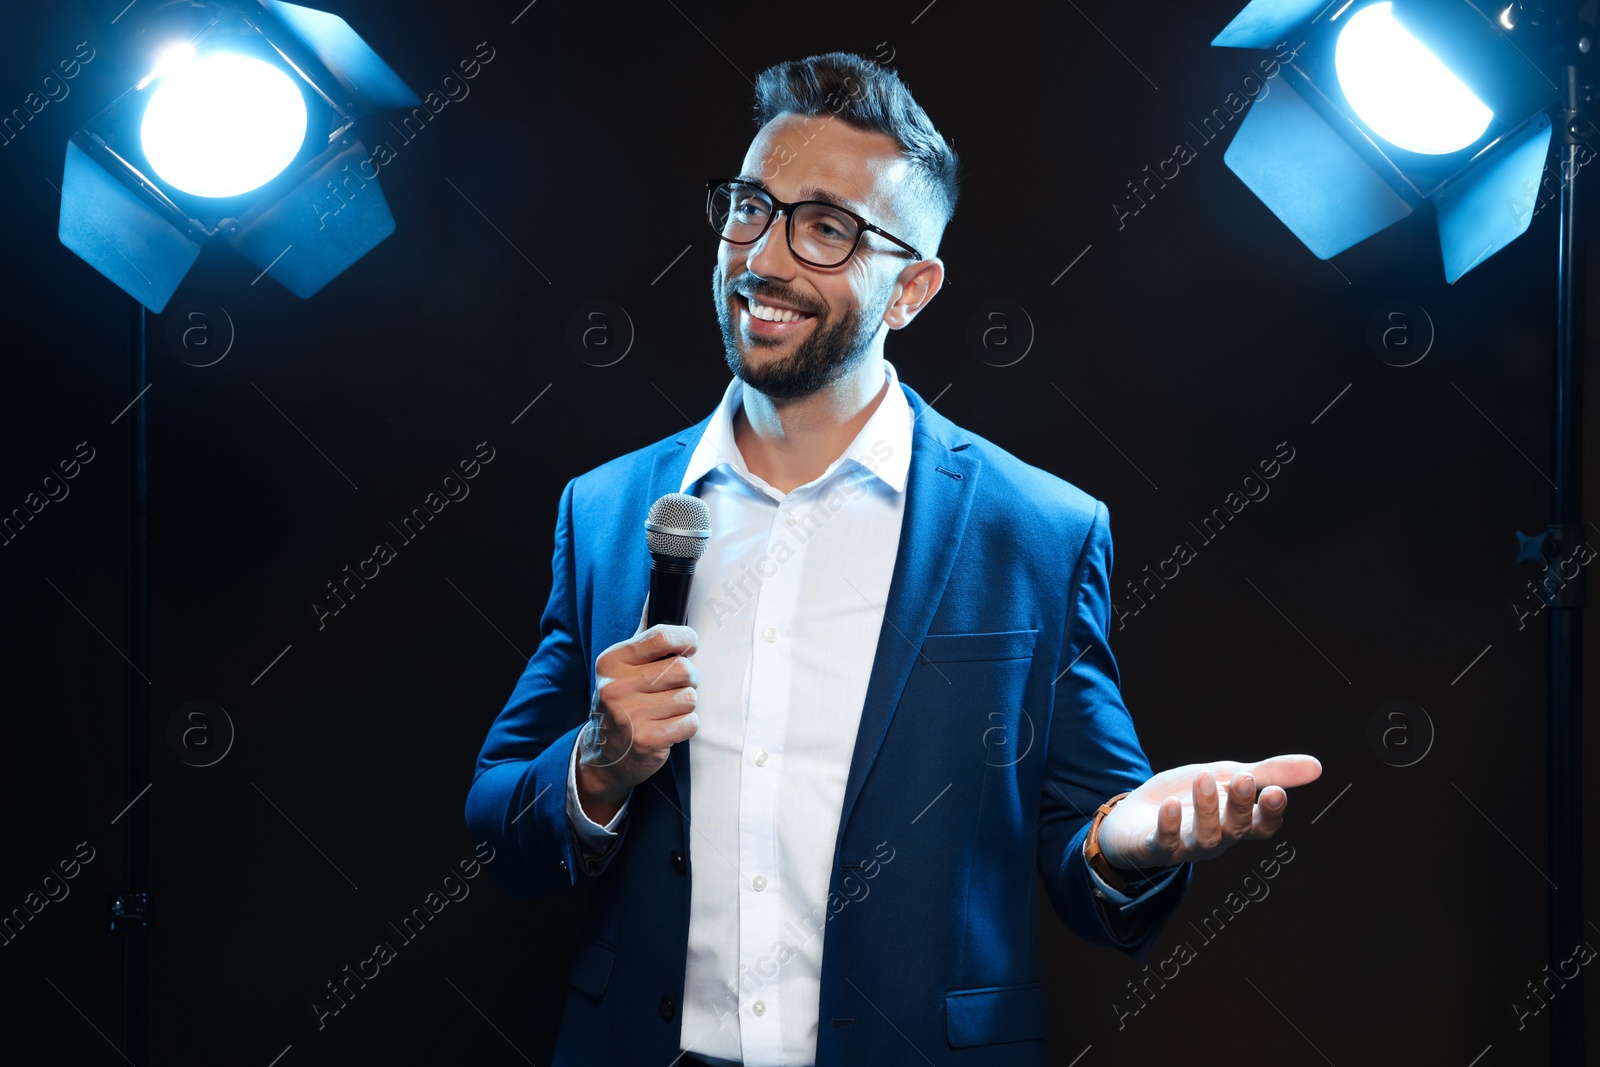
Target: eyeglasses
{"points": [[820, 234]]}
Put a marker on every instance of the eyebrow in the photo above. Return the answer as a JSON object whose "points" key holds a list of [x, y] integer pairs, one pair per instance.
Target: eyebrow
{"points": [[810, 192]]}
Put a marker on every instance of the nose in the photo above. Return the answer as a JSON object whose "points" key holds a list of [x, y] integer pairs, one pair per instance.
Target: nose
{"points": [[770, 257]]}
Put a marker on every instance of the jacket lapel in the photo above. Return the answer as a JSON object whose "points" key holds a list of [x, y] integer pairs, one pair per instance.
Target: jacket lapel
{"points": [[940, 488]]}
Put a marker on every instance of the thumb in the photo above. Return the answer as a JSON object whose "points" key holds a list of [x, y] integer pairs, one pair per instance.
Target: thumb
{"points": [[1287, 771]]}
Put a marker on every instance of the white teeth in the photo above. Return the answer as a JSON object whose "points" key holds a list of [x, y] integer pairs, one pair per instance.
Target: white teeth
{"points": [[771, 314]]}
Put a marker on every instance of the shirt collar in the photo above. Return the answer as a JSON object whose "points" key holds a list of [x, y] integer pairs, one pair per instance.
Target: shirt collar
{"points": [[883, 447]]}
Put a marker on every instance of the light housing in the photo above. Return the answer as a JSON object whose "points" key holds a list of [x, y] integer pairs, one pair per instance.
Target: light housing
{"points": [[1344, 146], [279, 175]]}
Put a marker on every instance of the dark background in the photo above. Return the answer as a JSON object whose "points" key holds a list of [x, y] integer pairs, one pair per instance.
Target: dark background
{"points": [[1176, 353]]}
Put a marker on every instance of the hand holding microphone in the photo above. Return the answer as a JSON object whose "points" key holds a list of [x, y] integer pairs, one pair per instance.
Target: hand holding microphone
{"points": [[644, 695]]}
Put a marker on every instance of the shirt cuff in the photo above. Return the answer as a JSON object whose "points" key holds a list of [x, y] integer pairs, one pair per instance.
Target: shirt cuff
{"points": [[596, 838], [1152, 880]]}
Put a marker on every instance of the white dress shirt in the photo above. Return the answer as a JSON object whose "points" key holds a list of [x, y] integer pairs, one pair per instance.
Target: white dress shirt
{"points": [[790, 594]]}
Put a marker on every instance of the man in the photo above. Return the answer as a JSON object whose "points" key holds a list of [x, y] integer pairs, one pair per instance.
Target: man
{"points": [[895, 671]]}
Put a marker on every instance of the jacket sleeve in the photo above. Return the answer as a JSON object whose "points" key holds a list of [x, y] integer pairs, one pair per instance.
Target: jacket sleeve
{"points": [[518, 797], [1093, 754]]}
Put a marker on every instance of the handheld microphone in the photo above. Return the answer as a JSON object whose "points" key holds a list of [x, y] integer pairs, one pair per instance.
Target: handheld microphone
{"points": [[676, 532]]}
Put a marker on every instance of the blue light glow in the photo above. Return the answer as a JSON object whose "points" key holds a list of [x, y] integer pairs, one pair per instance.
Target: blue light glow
{"points": [[1402, 90], [222, 125]]}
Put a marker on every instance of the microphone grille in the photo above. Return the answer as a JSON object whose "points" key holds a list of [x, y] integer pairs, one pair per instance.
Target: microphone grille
{"points": [[679, 525]]}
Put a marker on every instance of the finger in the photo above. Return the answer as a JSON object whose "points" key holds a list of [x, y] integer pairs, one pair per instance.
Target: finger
{"points": [[1169, 827], [682, 728], [659, 641], [1269, 812], [656, 737], [1207, 820], [1287, 771], [1241, 806], [673, 673], [670, 704], [664, 725]]}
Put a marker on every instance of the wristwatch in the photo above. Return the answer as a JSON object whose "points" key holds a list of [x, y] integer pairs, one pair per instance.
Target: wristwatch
{"points": [[1097, 859]]}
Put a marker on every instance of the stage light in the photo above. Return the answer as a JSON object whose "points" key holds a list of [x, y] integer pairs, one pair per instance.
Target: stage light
{"points": [[1383, 106], [1388, 105], [223, 125], [243, 127]]}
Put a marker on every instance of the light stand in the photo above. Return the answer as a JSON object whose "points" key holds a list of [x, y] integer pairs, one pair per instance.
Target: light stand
{"points": [[147, 182], [1311, 152], [1563, 591], [1565, 599]]}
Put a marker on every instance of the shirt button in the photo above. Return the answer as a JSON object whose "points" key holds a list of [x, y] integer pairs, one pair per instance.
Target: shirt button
{"points": [[793, 518], [758, 883], [770, 634], [761, 759], [759, 1007]]}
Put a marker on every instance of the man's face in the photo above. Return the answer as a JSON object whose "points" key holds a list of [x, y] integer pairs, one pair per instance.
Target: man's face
{"points": [[847, 308]]}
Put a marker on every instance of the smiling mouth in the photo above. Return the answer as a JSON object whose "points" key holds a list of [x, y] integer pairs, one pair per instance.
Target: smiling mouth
{"points": [[766, 314]]}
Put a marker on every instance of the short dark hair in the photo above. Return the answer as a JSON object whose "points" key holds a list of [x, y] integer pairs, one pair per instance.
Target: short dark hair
{"points": [[868, 96]]}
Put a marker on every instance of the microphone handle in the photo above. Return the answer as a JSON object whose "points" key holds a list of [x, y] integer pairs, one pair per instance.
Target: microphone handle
{"points": [[669, 589]]}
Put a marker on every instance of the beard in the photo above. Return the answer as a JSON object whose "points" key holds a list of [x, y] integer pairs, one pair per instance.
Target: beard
{"points": [[825, 353]]}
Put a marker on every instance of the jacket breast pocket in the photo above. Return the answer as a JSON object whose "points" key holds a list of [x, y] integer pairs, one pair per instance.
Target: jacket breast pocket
{"points": [[591, 968], [961, 648], [994, 1015], [973, 684]]}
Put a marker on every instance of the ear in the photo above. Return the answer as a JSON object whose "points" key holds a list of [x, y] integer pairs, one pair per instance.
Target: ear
{"points": [[913, 290]]}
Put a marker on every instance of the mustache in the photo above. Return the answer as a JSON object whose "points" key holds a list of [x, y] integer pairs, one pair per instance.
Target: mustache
{"points": [[769, 294]]}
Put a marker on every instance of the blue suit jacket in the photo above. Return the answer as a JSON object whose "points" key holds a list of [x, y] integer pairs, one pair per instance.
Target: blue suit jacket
{"points": [[993, 726]]}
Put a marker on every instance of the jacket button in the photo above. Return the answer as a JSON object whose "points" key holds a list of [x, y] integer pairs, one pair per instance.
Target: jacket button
{"points": [[677, 861], [561, 865], [667, 1007]]}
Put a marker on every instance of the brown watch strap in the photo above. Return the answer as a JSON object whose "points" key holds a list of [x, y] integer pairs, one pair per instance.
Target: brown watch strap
{"points": [[1097, 858]]}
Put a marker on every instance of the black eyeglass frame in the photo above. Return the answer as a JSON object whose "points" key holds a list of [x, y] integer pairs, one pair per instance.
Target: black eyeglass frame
{"points": [[713, 184]]}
